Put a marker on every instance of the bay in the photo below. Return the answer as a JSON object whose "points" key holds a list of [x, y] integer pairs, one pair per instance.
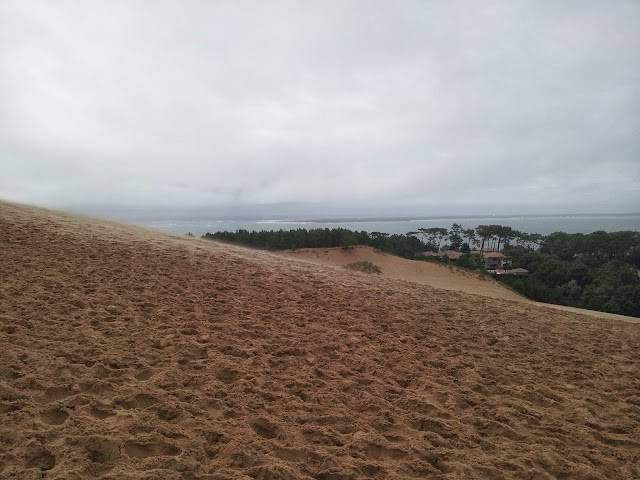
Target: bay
{"points": [[527, 223]]}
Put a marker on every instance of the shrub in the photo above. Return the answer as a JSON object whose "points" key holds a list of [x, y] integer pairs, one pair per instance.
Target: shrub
{"points": [[364, 267]]}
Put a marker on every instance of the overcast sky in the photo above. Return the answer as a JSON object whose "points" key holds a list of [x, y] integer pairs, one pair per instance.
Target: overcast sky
{"points": [[433, 107]]}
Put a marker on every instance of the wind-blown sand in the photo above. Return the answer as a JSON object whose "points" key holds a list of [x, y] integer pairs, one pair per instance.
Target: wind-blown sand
{"points": [[437, 275], [448, 277], [134, 354]]}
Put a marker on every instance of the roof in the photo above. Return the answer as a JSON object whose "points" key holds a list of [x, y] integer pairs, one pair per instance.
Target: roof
{"points": [[519, 270], [493, 255]]}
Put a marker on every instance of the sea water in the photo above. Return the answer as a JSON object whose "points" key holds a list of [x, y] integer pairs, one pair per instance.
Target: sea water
{"points": [[529, 223]]}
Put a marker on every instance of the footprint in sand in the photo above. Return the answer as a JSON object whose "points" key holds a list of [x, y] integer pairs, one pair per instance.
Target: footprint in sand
{"points": [[101, 413], [102, 450], [54, 416], [55, 393], [144, 375], [41, 458], [144, 450], [264, 428], [140, 401]]}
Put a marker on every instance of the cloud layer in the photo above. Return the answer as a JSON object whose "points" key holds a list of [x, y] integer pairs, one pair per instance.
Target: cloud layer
{"points": [[465, 107]]}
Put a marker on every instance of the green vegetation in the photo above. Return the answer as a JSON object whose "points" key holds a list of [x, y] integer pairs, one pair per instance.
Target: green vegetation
{"points": [[598, 271], [411, 245], [402, 245], [364, 267]]}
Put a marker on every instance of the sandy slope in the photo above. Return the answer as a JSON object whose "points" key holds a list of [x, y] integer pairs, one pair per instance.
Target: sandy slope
{"points": [[433, 274], [131, 354]]}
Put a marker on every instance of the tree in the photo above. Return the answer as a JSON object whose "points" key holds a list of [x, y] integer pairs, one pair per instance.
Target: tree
{"points": [[506, 234], [428, 236], [349, 240], [472, 261], [433, 236], [455, 237], [470, 235], [484, 232], [634, 256], [535, 240], [441, 233]]}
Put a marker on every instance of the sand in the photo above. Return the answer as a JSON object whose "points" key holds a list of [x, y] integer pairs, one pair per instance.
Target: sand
{"points": [[129, 354], [448, 277]]}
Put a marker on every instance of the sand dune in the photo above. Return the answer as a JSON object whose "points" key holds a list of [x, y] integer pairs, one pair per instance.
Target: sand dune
{"points": [[436, 275], [129, 354]]}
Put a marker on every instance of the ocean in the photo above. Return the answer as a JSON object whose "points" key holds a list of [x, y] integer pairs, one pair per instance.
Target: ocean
{"points": [[542, 224]]}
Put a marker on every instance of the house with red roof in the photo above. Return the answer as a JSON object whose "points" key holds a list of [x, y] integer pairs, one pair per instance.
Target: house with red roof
{"points": [[493, 260]]}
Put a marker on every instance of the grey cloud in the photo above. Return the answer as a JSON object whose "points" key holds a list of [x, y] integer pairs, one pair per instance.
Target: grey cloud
{"points": [[410, 105]]}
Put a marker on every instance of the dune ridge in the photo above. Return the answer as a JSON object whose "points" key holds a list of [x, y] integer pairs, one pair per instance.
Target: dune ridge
{"points": [[437, 275], [130, 354], [447, 277]]}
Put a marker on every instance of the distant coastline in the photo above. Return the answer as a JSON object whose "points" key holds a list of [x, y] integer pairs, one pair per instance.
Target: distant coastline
{"points": [[447, 217], [542, 224]]}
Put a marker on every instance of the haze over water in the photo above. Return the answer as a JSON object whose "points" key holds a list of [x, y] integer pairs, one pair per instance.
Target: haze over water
{"points": [[527, 223]]}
